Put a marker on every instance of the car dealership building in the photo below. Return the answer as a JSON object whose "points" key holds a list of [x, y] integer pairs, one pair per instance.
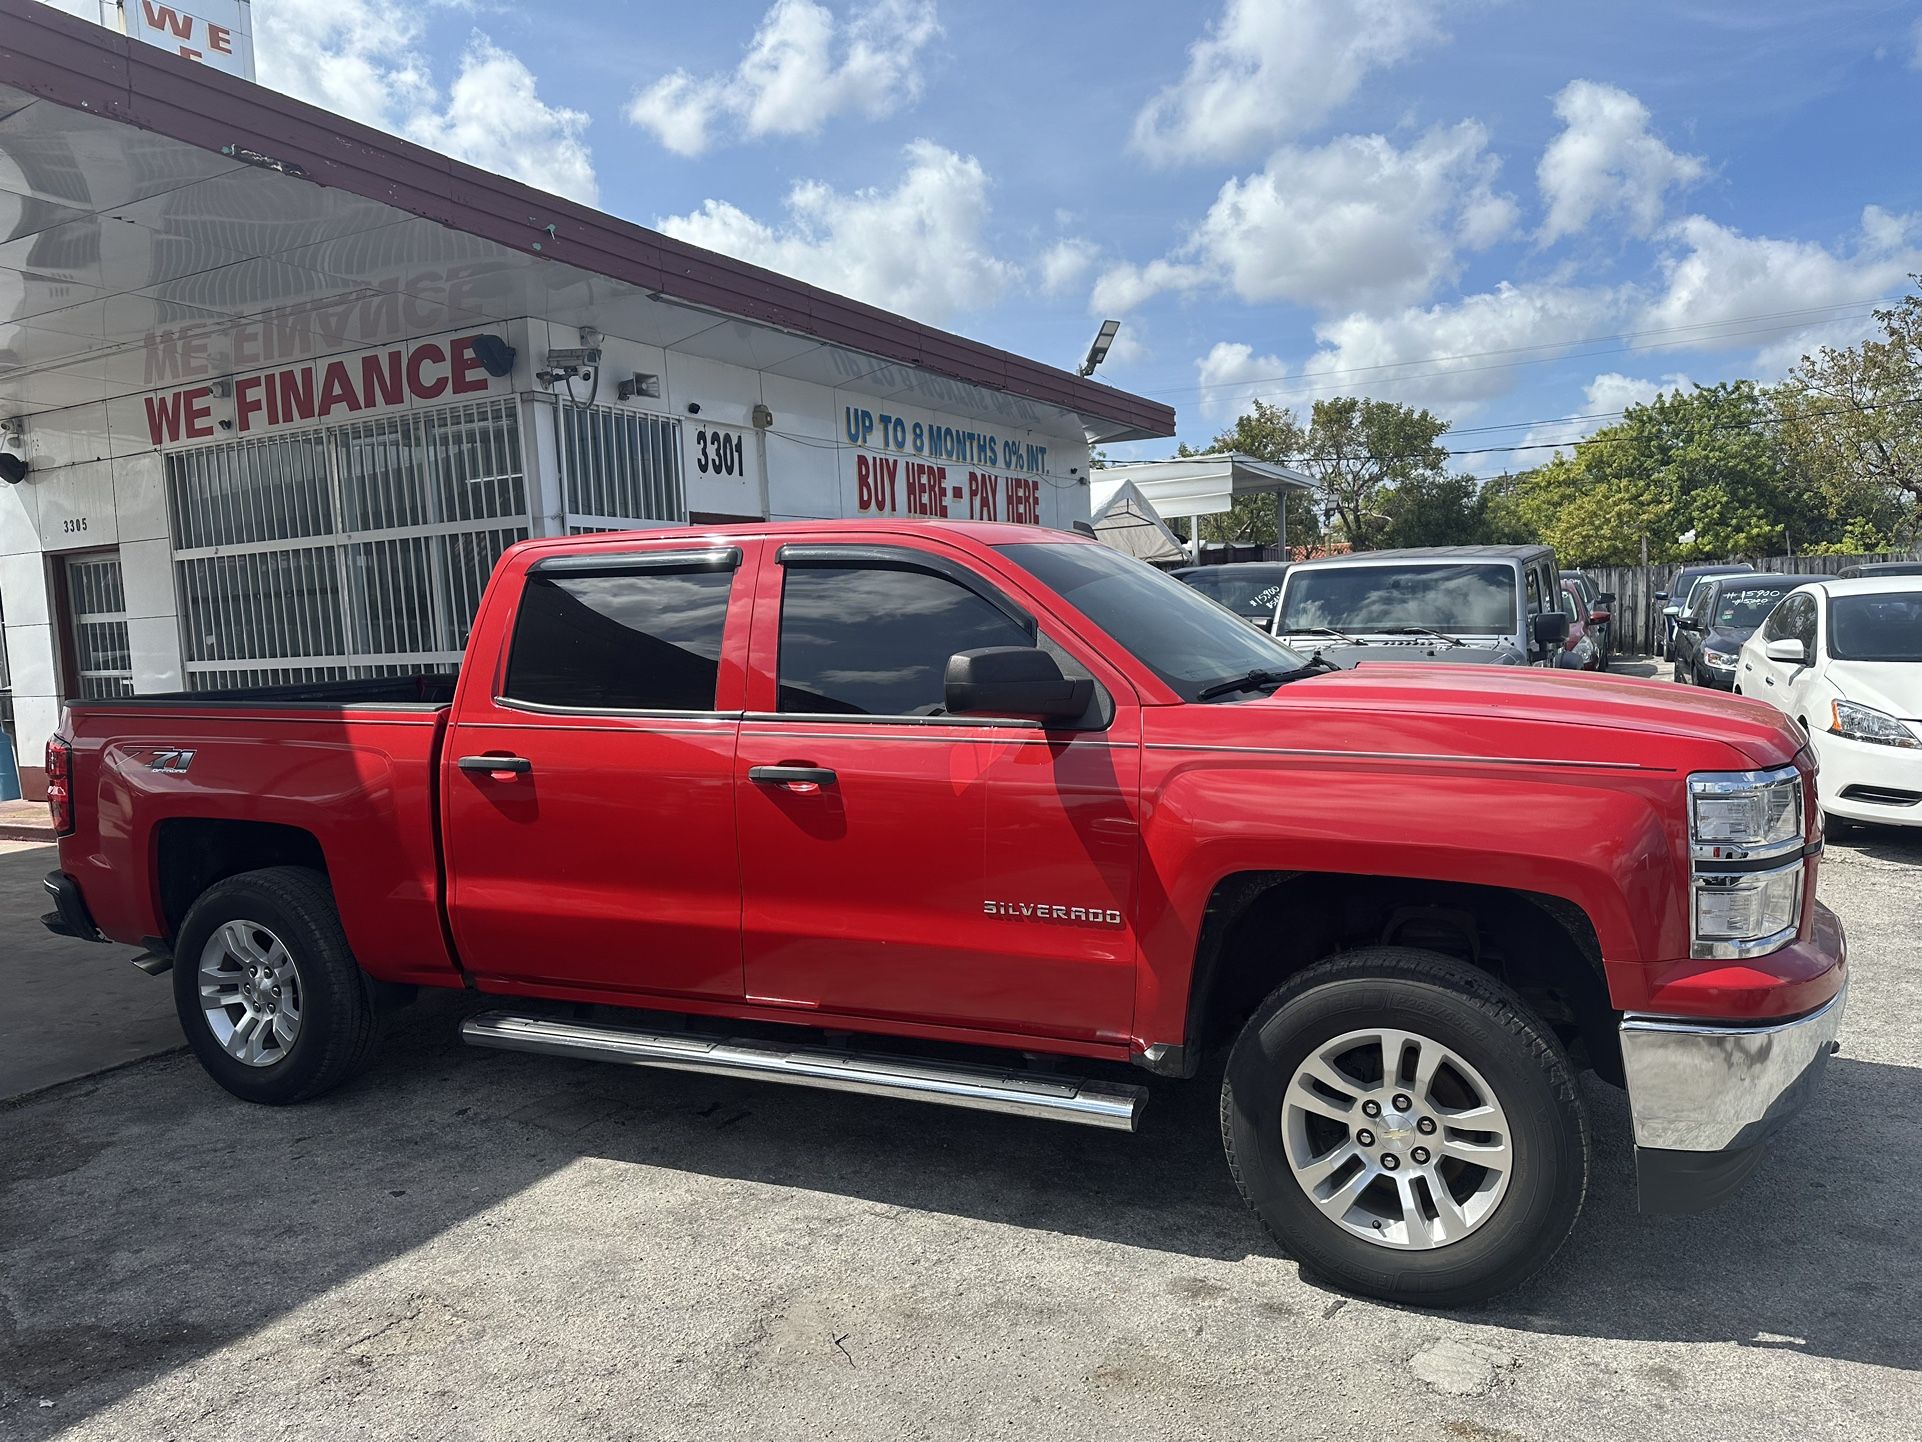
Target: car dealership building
{"points": [[277, 389]]}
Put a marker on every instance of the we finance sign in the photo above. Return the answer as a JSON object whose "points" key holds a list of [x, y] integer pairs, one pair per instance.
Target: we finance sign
{"points": [[214, 32], [319, 392]]}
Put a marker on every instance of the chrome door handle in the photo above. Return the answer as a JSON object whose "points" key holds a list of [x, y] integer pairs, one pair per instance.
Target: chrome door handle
{"points": [[518, 765]]}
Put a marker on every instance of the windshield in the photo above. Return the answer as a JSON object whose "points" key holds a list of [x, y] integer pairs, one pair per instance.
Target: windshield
{"points": [[1885, 627], [1743, 608], [1476, 599], [1177, 633], [1247, 590]]}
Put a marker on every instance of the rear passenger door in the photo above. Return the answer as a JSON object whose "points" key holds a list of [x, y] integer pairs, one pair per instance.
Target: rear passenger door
{"points": [[588, 791]]}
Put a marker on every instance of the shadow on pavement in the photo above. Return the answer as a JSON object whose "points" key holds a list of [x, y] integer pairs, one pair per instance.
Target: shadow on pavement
{"points": [[149, 1220], [1902, 844]]}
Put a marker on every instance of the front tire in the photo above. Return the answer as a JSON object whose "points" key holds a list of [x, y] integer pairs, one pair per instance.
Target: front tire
{"points": [[269, 996], [1405, 1128]]}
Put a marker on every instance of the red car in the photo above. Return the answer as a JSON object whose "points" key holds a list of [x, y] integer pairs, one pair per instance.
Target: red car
{"points": [[1582, 650], [986, 795]]}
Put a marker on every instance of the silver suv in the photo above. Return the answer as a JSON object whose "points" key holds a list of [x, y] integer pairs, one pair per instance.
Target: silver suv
{"points": [[1456, 605]]}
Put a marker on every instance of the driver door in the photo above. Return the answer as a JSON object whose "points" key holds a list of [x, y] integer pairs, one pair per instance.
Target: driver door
{"points": [[895, 858]]}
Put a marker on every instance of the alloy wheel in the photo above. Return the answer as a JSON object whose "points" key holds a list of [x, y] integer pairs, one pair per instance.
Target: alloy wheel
{"points": [[1396, 1139], [250, 993]]}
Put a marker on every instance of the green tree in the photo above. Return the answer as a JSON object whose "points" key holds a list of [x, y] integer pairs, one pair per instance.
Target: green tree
{"points": [[1699, 475], [1359, 450], [1356, 451], [1445, 510], [1851, 427]]}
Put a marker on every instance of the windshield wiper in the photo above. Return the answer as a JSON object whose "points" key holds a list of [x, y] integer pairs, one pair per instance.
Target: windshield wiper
{"points": [[1427, 631], [1256, 679], [1325, 631]]}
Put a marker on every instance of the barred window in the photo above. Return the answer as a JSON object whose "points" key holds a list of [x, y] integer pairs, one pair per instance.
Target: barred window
{"points": [[344, 552]]}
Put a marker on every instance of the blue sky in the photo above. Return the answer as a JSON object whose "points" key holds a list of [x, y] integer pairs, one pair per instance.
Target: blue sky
{"points": [[1508, 211]]}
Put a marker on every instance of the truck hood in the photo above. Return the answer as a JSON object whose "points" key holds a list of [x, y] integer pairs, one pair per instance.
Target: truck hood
{"points": [[1552, 715]]}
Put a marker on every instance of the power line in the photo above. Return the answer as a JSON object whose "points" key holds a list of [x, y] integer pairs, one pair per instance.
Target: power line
{"points": [[1596, 440], [1563, 349]]}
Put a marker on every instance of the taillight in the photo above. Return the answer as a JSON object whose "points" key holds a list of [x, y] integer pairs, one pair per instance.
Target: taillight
{"points": [[60, 786]]}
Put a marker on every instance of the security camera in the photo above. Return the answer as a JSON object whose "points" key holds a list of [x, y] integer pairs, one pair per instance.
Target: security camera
{"points": [[13, 462], [575, 360]]}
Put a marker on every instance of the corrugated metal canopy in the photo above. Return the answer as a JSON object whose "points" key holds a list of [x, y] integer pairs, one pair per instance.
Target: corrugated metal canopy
{"points": [[144, 199]]}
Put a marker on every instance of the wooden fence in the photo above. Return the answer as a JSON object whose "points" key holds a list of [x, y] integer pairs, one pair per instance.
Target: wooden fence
{"points": [[1638, 614]]}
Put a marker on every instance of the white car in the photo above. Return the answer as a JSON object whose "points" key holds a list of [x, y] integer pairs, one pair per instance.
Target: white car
{"points": [[1844, 659]]}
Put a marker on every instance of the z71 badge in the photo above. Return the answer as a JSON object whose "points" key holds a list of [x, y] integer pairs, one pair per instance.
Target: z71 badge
{"points": [[174, 763]]}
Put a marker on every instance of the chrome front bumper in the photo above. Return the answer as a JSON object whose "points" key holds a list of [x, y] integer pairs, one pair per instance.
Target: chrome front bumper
{"points": [[1704, 1097]]}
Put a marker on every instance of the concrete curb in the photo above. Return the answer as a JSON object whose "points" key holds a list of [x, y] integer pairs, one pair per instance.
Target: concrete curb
{"points": [[19, 1099]]}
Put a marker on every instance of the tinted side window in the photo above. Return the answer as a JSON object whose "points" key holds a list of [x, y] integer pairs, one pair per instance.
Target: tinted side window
{"points": [[1534, 590], [635, 640], [1777, 624], [1802, 623], [875, 641]]}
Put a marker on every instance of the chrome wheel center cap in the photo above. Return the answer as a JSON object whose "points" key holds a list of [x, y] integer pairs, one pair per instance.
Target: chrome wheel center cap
{"points": [[1396, 1127]]}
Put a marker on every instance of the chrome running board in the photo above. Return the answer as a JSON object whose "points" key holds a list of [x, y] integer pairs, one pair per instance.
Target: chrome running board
{"points": [[982, 1088]]}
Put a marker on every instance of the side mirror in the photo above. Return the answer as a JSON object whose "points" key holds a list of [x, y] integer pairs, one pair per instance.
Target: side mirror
{"points": [[1687, 623], [1598, 618], [1607, 598], [1661, 595], [1787, 649], [1014, 681], [1551, 628], [1671, 610]]}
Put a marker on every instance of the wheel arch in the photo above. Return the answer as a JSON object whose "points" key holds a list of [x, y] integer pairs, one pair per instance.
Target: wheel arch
{"points": [[195, 853], [1262, 927]]}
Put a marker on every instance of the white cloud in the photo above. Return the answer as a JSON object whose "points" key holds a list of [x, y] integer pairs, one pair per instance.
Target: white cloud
{"points": [[1354, 222], [802, 68], [357, 57], [1232, 376], [1603, 401], [360, 58], [1606, 164], [1269, 69], [1121, 288], [1722, 289], [1065, 263], [917, 248], [494, 118], [1453, 358]]}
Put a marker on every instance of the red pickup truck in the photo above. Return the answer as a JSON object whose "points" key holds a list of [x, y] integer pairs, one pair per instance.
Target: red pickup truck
{"points": [[1034, 813]]}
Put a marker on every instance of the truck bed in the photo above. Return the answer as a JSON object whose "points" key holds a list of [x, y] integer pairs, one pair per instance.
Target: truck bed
{"points": [[341, 775]]}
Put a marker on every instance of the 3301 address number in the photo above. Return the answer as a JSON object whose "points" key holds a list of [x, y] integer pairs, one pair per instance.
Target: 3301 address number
{"points": [[719, 453]]}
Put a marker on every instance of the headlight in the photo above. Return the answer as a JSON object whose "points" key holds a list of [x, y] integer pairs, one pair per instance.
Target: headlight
{"points": [[1865, 723], [1720, 660], [1738, 909], [1746, 863], [1735, 814]]}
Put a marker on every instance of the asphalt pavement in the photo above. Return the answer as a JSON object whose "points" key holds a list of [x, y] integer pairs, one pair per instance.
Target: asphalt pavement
{"points": [[490, 1245]]}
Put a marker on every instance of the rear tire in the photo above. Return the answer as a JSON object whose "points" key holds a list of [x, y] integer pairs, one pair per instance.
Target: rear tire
{"points": [[1381, 1228], [269, 995]]}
